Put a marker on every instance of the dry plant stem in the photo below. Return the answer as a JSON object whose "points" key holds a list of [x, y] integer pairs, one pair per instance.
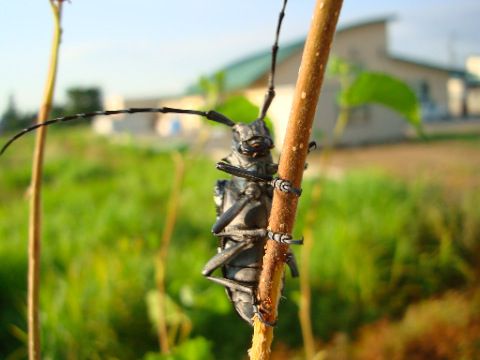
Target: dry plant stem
{"points": [[292, 161], [35, 219], [340, 124], [163, 252], [305, 291], [306, 296], [174, 201]]}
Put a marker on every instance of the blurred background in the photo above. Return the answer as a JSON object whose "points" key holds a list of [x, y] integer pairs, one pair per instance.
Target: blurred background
{"points": [[390, 204]]}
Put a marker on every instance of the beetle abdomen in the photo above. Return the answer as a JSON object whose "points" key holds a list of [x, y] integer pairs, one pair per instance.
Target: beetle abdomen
{"points": [[243, 305], [244, 269]]}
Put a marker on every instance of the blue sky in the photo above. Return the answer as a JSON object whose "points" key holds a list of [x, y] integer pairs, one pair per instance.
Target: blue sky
{"points": [[156, 47]]}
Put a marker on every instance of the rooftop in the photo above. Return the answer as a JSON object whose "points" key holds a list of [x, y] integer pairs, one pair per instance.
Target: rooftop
{"points": [[244, 72]]}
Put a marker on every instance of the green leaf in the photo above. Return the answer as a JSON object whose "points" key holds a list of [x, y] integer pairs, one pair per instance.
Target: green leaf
{"points": [[195, 349], [240, 109], [386, 90], [341, 68]]}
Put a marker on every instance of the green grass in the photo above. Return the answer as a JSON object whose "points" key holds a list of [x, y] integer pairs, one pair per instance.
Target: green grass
{"points": [[471, 138], [380, 245]]}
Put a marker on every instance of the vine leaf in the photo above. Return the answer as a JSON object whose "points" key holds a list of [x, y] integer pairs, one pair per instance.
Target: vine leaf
{"points": [[386, 90]]}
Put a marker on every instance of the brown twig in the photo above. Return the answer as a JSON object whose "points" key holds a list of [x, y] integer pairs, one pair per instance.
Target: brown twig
{"points": [[292, 162], [35, 219]]}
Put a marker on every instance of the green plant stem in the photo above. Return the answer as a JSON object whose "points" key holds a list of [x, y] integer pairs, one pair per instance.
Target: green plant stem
{"points": [[35, 218], [162, 255], [291, 167]]}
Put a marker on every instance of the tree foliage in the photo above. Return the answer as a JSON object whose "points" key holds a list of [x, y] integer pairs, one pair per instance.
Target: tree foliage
{"points": [[13, 119], [80, 100]]}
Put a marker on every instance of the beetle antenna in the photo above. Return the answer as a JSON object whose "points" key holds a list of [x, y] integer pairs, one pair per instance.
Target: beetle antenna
{"points": [[271, 86], [210, 115]]}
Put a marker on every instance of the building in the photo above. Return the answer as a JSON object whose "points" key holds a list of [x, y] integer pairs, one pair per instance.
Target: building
{"points": [[472, 86], [364, 44]]}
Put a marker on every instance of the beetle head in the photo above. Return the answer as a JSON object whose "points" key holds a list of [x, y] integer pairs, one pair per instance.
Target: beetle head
{"points": [[252, 139]]}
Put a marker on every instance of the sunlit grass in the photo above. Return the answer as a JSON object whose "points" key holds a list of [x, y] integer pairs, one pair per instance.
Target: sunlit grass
{"points": [[380, 244]]}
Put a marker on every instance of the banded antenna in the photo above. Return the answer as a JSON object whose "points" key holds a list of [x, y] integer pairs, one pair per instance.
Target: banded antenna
{"points": [[210, 115], [271, 79]]}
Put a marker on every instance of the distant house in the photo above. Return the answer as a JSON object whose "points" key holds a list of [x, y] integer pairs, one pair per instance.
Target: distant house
{"points": [[147, 123], [472, 86], [365, 44]]}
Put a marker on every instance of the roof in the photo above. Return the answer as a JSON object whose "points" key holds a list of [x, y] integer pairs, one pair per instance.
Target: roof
{"points": [[244, 72], [472, 80], [365, 22], [241, 74], [428, 64]]}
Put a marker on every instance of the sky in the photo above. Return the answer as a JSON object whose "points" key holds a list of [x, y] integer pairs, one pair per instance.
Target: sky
{"points": [[152, 48]]}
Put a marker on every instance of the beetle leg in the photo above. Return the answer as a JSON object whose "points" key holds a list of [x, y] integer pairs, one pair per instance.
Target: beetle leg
{"points": [[231, 284], [272, 168], [312, 145], [218, 195], [285, 186], [227, 217], [240, 172], [249, 233], [224, 256], [256, 310], [280, 184], [283, 238], [292, 264]]}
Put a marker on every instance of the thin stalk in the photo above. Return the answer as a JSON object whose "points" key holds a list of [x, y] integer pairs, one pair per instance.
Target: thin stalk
{"points": [[165, 338], [305, 291], [304, 312], [338, 130], [292, 162], [35, 219], [170, 221]]}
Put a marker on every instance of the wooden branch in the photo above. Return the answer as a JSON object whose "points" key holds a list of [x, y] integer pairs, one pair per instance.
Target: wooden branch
{"points": [[35, 218], [292, 162]]}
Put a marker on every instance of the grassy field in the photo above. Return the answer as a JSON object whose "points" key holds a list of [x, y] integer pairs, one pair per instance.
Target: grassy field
{"points": [[383, 243]]}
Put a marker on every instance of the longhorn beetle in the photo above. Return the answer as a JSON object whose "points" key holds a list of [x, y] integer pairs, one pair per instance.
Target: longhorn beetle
{"points": [[242, 204]]}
